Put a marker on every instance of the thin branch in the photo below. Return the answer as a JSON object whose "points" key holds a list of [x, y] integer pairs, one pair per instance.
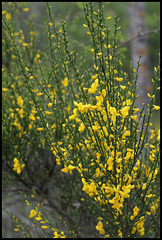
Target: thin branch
{"points": [[139, 35]]}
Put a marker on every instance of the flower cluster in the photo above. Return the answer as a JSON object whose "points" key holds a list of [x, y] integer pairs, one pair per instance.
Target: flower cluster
{"points": [[18, 166], [79, 131]]}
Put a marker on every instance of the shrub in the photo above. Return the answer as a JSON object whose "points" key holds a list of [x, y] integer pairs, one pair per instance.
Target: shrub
{"points": [[71, 135]]}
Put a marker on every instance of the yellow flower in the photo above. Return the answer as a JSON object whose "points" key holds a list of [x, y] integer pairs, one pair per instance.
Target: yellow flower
{"points": [[92, 189], [39, 129], [81, 127], [143, 186], [39, 94], [136, 110], [20, 101], [25, 44], [123, 87], [70, 168], [84, 25], [8, 17], [38, 218], [93, 87], [99, 227], [45, 227], [119, 79], [26, 68], [136, 211], [17, 166], [50, 24], [127, 133], [67, 169], [16, 229], [32, 117], [4, 89], [65, 82], [156, 107], [158, 135], [113, 113], [48, 113], [120, 233], [133, 230], [26, 9], [124, 111], [49, 105], [153, 209], [32, 213], [108, 18], [134, 117], [100, 54]]}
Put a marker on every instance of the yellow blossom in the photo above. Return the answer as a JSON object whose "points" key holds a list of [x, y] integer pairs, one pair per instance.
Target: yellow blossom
{"points": [[17, 166], [148, 94], [48, 113], [65, 82], [32, 213], [38, 218], [81, 127], [124, 111], [8, 16], [4, 89], [134, 117], [158, 135], [99, 227], [25, 44], [119, 79], [123, 87], [20, 101], [136, 211], [26, 9], [27, 69], [39, 129], [143, 186], [113, 113], [16, 229], [49, 105], [136, 110], [39, 94], [45, 227], [93, 87], [133, 230], [100, 54], [156, 107], [32, 117], [67, 169]]}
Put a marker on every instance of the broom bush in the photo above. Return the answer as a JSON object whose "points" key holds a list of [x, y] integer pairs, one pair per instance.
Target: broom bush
{"points": [[71, 135]]}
